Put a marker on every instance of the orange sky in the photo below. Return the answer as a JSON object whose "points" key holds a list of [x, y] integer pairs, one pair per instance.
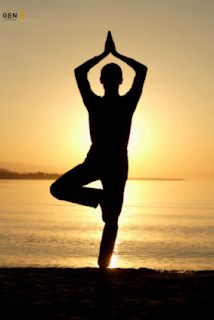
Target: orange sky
{"points": [[43, 123]]}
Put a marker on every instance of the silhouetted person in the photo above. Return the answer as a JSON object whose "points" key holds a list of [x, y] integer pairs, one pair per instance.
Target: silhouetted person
{"points": [[110, 119]]}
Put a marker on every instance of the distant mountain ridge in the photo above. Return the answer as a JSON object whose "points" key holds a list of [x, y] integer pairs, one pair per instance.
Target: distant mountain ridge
{"points": [[4, 170], [7, 174]]}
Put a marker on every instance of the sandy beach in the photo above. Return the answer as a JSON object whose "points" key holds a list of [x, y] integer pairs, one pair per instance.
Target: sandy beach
{"points": [[58, 293]]}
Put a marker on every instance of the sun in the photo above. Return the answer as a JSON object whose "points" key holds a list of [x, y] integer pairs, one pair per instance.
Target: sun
{"points": [[114, 262]]}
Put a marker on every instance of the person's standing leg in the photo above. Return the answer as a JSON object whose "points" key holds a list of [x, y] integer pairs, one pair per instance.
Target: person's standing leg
{"points": [[113, 186], [107, 244]]}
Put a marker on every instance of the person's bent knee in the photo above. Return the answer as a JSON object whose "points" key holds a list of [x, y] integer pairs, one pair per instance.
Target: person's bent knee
{"points": [[55, 191]]}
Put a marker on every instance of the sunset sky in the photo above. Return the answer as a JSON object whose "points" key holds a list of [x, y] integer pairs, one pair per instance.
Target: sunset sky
{"points": [[43, 122]]}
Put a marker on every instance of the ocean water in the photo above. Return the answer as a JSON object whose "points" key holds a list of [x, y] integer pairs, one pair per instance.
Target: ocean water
{"points": [[163, 225]]}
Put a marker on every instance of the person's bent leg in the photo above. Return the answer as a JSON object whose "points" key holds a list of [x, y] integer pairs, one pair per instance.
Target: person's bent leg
{"points": [[70, 186]]}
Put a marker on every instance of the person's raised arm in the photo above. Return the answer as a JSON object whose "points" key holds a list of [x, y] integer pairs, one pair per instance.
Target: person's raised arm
{"points": [[84, 68], [139, 68], [82, 71], [82, 79]]}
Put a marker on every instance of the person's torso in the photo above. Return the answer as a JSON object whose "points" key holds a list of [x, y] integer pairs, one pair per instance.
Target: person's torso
{"points": [[110, 124]]}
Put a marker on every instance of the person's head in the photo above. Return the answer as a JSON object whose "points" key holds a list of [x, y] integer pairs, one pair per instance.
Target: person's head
{"points": [[111, 76]]}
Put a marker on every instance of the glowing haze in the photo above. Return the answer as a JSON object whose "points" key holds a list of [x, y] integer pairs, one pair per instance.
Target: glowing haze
{"points": [[43, 123]]}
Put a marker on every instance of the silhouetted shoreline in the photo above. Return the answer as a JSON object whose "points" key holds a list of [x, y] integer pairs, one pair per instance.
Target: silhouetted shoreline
{"points": [[58, 293], [6, 174], [10, 175]]}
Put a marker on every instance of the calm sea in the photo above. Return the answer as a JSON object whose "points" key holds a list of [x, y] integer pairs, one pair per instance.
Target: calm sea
{"points": [[163, 225]]}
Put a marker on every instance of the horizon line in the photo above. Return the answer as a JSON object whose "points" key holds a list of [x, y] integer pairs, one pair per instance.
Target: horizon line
{"points": [[8, 174]]}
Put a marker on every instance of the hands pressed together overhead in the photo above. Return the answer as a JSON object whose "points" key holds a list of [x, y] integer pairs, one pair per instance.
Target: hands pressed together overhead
{"points": [[83, 69], [110, 45]]}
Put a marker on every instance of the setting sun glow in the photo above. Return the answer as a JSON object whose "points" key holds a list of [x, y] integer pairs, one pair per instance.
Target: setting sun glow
{"points": [[44, 124], [114, 262]]}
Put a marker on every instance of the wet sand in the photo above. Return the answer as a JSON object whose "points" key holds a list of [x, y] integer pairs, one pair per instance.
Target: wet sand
{"points": [[54, 293]]}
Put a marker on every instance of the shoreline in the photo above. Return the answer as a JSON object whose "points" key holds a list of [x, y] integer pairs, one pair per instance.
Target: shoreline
{"points": [[88, 293]]}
